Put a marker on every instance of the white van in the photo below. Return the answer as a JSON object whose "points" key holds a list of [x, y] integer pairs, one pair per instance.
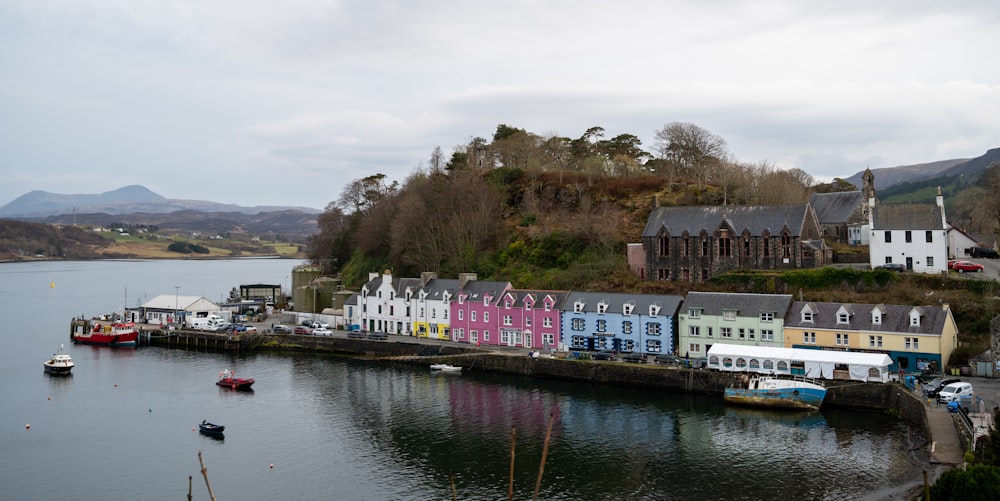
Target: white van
{"points": [[954, 391]]}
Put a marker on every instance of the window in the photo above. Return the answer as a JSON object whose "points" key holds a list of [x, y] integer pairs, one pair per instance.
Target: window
{"points": [[930, 261], [602, 325], [908, 236], [752, 334], [729, 314], [746, 247], [768, 335], [653, 329], [929, 236], [874, 341], [877, 318], [694, 348], [578, 342], [743, 333], [486, 336], [472, 316], [888, 237], [663, 246], [694, 313], [578, 307], [768, 365], [767, 316], [767, 247], [653, 346], [694, 330], [527, 321], [725, 247], [809, 337], [578, 324], [662, 274], [704, 247], [786, 245], [508, 320], [627, 327], [727, 332], [709, 332], [842, 339], [548, 339], [547, 322], [486, 317], [843, 318], [807, 316], [461, 314], [912, 343]]}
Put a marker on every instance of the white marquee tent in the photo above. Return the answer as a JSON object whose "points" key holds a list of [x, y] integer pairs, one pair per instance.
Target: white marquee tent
{"points": [[820, 364]]}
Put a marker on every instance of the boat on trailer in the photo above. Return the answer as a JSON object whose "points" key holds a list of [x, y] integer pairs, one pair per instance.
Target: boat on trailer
{"points": [[776, 392]]}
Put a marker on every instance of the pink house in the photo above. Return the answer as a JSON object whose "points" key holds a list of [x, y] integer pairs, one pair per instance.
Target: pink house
{"points": [[529, 318], [474, 313]]}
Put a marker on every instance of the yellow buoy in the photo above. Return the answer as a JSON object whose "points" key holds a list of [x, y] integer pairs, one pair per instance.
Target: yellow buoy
{"points": [[53, 284]]}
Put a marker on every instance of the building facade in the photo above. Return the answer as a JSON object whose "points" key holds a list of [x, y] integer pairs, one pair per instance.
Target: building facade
{"points": [[624, 323], [707, 318]]}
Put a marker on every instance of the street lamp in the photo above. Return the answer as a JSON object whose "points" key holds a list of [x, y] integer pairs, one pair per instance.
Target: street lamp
{"points": [[177, 290]]}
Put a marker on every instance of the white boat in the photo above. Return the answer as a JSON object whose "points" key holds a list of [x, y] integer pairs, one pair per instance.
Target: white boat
{"points": [[60, 364], [445, 368], [770, 391]]}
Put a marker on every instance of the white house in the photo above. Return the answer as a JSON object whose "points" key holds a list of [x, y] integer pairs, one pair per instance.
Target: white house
{"points": [[958, 242], [174, 309], [914, 234], [385, 304]]}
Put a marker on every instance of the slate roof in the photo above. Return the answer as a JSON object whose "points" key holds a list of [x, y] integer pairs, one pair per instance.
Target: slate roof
{"points": [[926, 216], [171, 301], [521, 294], [746, 305], [756, 219], [436, 288], [616, 302], [836, 207], [895, 318], [476, 289]]}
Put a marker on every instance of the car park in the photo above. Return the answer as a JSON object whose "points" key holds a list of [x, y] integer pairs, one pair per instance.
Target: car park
{"points": [[302, 330], [964, 266], [281, 329], [892, 267]]}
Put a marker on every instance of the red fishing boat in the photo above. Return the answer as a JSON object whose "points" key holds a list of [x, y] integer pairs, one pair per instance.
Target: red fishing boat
{"points": [[228, 379], [108, 334]]}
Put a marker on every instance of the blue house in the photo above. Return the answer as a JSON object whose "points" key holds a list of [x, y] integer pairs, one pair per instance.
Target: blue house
{"points": [[625, 323]]}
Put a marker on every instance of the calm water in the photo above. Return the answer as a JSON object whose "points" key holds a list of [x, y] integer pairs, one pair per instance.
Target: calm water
{"points": [[121, 427]]}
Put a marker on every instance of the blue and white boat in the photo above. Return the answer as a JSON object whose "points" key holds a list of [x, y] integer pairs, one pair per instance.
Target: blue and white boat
{"points": [[776, 392]]}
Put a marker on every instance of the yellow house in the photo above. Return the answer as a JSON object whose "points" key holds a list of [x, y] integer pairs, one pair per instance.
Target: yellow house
{"points": [[915, 337]]}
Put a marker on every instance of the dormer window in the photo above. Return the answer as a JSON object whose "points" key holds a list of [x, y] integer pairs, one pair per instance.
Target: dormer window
{"points": [[694, 313], [578, 307], [876, 317], [915, 315], [602, 307], [627, 308], [729, 314], [767, 316], [843, 318], [808, 315], [654, 310]]}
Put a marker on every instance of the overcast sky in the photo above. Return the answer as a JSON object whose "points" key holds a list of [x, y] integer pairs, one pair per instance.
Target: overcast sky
{"points": [[258, 102]]}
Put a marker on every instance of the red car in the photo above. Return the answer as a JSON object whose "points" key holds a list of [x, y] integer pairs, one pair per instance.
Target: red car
{"points": [[963, 266]]}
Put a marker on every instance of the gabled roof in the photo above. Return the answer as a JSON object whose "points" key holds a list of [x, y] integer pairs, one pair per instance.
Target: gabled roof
{"points": [[475, 290], [668, 303], [171, 301], [832, 208], [925, 216], [746, 305], [437, 287], [520, 295], [895, 318], [756, 219]]}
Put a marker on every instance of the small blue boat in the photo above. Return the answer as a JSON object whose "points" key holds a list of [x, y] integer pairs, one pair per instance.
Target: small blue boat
{"points": [[211, 428], [775, 392]]}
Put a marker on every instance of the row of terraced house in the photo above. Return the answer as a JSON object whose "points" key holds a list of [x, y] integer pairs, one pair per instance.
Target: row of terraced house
{"points": [[493, 313]]}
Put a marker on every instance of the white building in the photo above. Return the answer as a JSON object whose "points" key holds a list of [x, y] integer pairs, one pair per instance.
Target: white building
{"points": [[914, 234], [174, 309], [818, 364], [384, 304]]}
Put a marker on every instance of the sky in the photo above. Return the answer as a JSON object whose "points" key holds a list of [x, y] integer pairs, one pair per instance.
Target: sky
{"points": [[256, 102]]}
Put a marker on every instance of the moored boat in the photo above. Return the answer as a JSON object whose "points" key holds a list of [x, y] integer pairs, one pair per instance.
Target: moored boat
{"points": [[228, 379], [109, 334], [60, 364], [445, 368], [211, 428], [775, 392]]}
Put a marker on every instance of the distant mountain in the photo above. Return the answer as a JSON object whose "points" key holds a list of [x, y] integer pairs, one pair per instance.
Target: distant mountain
{"points": [[891, 176], [129, 199]]}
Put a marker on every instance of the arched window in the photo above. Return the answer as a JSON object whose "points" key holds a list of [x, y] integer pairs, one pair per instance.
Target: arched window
{"points": [[873, 373], [741, 363], [754, 363], [769, 365], [727, 362], [713, 360], [783, 366]]}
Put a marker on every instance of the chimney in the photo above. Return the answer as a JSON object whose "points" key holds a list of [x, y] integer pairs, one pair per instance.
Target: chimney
{"points": [[464, 279], [427, 276]]}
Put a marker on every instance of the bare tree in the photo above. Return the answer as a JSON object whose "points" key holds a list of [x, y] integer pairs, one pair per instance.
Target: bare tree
{"points": [[689, 150]]}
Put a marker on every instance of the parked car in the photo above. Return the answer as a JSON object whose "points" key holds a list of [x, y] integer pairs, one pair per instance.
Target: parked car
{"points": [[964, 266], [322, 331], [281, 329], [378, 336], [892, 267], [603, 355], [984, 252], [302, 330], [249, 328], [954, 392], [932, 388]]}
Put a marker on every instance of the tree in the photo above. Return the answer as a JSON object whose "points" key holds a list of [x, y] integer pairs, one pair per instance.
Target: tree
{"points": [[689, 150], [362, 194]]}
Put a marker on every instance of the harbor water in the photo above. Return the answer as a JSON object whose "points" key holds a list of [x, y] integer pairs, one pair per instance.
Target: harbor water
{"points": [[124, 425]]}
